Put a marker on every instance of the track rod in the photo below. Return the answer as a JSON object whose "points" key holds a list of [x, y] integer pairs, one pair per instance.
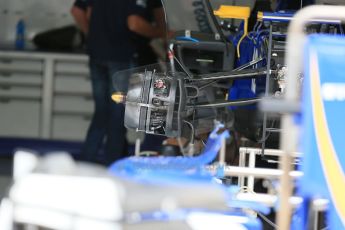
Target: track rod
{"points": [[224, 104]]}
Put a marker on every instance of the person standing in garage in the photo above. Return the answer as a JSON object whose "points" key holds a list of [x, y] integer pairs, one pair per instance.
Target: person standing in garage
{"points": [[109, 49], [143, 14], [79, 13], [106, 23]]}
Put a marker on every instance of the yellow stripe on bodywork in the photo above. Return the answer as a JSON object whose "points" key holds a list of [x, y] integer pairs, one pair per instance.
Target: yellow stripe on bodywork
{"points": [[332, 169]]}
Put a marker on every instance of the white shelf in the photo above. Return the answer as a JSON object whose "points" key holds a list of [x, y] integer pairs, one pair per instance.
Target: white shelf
{"points": [[44, 95]]}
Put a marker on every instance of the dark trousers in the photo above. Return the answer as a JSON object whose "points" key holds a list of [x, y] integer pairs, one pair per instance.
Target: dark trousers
{"points": [[108, 119]]}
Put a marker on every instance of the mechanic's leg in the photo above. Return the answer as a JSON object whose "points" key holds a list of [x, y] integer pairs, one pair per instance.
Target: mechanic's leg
{"points": [[97, 128], [116, 144]]}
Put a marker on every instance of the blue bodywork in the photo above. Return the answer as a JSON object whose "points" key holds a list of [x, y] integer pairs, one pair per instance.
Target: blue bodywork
{"points": [[243, 89], [184, 170], [322, 139]]}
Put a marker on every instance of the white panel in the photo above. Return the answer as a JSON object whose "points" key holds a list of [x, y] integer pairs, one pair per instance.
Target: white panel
{"points": [[64, 67], [20, 65], [21, 88], [19, 91], [19, 118], [3, 20], [20, 78], [70, 104], [70, 127], [72, 84]]}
